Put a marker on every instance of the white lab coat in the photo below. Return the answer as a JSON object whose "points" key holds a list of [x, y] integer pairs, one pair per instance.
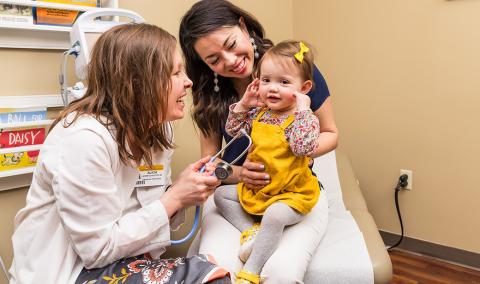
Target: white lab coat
{"points": [[83, 209]]}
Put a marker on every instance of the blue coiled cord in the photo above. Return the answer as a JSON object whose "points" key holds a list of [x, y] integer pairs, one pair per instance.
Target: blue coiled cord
{"points": [[195, 220]]}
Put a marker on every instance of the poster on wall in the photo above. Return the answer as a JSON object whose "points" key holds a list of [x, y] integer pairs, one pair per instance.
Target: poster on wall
{"points": [[17, 138], [16, 143]]}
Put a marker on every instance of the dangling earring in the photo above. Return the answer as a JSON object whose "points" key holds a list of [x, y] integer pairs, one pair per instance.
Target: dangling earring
{"points": [[216, 88], [255, 52]]}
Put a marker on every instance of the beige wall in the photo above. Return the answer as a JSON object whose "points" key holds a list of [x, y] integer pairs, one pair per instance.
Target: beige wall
{"points": [[10, 202], [404, 80], [29, 72], [392, 66]]}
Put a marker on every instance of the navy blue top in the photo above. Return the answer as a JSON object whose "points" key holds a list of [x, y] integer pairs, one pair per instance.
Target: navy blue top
{"points": [[317, 95]]}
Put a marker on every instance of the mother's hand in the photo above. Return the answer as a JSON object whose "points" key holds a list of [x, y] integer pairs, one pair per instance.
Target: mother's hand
{"points": [[254, 175], [191, 187]]}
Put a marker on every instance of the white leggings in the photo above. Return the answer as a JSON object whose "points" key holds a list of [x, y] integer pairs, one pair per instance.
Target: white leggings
{"points": [[276, 217], [290, 260]]}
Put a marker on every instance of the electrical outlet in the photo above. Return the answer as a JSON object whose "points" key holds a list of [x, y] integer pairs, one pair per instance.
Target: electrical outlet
{"points": [[409, 173]]}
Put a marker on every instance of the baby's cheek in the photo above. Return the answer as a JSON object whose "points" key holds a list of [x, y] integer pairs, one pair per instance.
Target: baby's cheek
{"points": [[262, 89], [263, 94], [290, 96]]}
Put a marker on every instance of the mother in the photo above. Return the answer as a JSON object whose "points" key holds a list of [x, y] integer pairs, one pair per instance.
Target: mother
{"points": [[222, 44]]}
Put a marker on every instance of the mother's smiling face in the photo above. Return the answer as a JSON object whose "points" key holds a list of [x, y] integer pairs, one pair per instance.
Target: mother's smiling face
{"points": [[227, 51]]}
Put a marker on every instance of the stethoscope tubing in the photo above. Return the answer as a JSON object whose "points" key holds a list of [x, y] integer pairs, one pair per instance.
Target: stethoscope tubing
{"points": [[242, 132]]}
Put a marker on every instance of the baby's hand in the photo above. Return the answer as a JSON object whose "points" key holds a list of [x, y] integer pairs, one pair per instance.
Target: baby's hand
{"points": [[303, 101], [251, 98]]}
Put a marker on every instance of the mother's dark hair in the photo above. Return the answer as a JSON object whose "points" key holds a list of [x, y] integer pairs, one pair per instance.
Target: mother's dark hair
{"points": [[210, 109]]}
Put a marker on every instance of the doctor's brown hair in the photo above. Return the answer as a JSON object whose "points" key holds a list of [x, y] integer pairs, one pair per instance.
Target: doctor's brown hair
{"points": [[128, 86]]}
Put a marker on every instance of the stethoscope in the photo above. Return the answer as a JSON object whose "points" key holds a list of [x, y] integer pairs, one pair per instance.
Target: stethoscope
{"points": [[222, 171]]}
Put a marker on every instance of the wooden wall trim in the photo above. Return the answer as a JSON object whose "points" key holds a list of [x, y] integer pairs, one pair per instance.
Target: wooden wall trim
{"points": [[450, 254]]}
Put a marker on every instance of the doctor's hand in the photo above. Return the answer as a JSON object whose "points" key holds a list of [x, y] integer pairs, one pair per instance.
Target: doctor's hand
{"points": [[191, 187], [254, 175]]}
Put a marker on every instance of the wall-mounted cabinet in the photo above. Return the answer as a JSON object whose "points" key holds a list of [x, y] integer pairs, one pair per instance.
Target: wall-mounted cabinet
{"points": [[25, 35]]}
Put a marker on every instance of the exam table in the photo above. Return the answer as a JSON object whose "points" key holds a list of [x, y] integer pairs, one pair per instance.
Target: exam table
{"points": [[352, 250]]}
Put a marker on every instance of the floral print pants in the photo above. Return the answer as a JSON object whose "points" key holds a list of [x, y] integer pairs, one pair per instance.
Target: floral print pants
{"points": [[142, 269]]}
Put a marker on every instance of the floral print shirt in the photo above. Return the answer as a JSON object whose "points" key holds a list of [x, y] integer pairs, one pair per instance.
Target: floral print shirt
{"points": [[302, 134]]}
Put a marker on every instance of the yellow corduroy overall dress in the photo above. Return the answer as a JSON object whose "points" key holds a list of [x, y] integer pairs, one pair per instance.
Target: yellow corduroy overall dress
{"points": [[292, 181]]}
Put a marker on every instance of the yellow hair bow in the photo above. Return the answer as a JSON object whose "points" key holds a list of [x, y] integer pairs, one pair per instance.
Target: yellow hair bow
{"points": [[303, 49]]}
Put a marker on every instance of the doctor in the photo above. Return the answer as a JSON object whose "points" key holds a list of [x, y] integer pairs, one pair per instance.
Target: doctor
{"points": [[102, 204]]}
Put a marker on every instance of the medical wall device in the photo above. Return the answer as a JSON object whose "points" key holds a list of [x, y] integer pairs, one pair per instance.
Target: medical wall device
{"points": [[85, 32], [222, 171]]}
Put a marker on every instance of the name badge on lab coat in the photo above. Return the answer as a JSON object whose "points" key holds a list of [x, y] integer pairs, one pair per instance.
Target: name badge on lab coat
{"points": [[150, 176]]}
